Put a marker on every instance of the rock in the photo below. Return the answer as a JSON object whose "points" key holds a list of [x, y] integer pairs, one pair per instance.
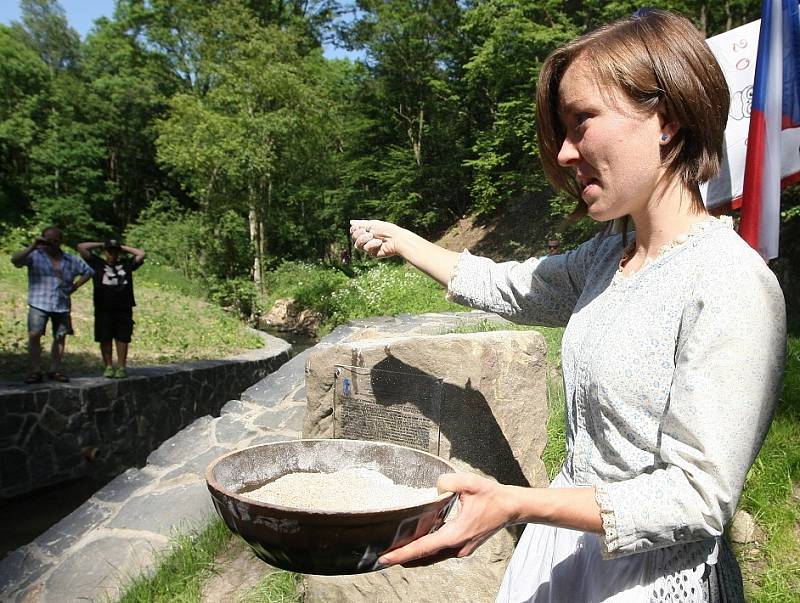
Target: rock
{"points": [[493, 399], [286, 315], [487, 414], [744, 529], [473, 579]]}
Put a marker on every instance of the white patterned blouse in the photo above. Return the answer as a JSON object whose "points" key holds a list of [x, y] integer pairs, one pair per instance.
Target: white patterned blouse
{"points": [[671, 374]]}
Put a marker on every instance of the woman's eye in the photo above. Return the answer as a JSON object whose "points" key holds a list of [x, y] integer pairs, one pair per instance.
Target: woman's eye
{"points": [[580, 119]]}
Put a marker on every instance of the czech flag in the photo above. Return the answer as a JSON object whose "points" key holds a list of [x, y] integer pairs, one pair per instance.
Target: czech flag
{"points": [[776, 107]]}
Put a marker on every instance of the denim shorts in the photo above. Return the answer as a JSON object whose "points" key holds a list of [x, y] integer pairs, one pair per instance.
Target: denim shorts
{"points": [[61, 321]]}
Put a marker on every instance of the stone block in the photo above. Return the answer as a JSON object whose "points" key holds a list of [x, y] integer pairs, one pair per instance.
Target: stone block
{"points": [[493, 410], [275, 387], [55, 541], [265, 438], [124, 486], [18, 570], [52, 421], [98, 570], [10, 427], [473, 579], [185, 444], [196, 466], [173, 509], [229, 429], [286, 418], [484, 396]]}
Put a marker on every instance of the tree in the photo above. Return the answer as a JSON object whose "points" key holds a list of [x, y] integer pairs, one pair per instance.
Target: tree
{"points": [[412, 98], [256, 121], [45, 23], [25, 82], [131, 85], [510, 42]]}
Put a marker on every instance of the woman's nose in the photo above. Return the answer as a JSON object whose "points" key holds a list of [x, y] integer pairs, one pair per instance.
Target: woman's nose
{"points": [[568, 153]]}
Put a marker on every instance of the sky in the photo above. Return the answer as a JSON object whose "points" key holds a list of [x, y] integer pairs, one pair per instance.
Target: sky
{"points": [[81, 15]]}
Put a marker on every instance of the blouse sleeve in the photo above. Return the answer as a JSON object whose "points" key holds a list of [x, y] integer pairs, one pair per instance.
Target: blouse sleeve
{"points": [[542, 292], [729, 362]]}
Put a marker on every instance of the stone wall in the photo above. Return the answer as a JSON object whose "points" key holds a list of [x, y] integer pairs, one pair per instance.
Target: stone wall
{"points": [[98, 427]]}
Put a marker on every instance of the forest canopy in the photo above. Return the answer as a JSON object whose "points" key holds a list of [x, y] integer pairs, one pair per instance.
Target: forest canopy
{"points": [[217, 136]]}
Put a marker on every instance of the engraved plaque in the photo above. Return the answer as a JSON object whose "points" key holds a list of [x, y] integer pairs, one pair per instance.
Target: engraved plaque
{"points": [[388, 406]]}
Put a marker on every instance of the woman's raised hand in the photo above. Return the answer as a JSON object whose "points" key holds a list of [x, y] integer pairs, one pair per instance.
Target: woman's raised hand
{"points": [[483, 512], [378, 239]]}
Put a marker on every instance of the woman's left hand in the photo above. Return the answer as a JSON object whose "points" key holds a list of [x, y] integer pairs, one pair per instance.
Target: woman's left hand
{"points": [[484, 510]]}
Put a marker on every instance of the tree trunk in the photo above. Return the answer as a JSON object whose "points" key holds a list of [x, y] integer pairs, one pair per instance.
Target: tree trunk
{"points": [[253, 221]]}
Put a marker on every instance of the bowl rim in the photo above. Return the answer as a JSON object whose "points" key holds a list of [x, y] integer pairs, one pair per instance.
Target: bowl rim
{"points": [[214, 485]]}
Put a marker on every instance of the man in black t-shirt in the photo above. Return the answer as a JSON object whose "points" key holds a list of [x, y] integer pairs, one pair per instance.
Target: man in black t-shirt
{"points": [[113, 299]]}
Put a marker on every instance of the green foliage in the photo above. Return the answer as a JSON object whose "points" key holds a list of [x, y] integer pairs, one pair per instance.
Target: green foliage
{"points": [[171, 236], [310, 285], [382, 289], [181, 569], [510, 42], [165, 278], [15, 237], [239, 294], [386, 290], [47, 32]]}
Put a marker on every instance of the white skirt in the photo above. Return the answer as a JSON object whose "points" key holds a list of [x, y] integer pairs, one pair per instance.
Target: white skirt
{"points": [[558, 565]]}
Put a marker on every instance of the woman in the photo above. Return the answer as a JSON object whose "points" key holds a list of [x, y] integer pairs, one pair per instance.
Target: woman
{"points": [[674, 343]]}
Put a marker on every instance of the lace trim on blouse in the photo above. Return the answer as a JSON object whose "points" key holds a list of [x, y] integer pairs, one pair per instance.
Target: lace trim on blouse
{"points": [[694, 230], [610, 540], [453, 276]]}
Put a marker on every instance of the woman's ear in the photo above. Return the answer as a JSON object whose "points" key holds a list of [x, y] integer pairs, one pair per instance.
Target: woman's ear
{"points": [[668, 131]]}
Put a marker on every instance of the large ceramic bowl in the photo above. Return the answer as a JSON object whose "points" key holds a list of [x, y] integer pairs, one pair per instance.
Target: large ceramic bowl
{"points": [[318, 542]]}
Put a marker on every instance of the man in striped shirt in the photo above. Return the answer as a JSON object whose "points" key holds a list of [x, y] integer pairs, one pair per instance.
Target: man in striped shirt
{"points": [[51, 281]]}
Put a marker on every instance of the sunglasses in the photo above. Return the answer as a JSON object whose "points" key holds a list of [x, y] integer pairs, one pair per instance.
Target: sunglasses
{"points": [[552, 246]]}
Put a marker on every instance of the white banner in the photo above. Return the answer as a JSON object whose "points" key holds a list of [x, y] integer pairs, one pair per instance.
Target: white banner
{"points": [[736, 53]]}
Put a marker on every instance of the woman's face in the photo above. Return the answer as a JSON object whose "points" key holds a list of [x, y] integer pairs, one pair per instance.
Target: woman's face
{"points": [[613, 148]]}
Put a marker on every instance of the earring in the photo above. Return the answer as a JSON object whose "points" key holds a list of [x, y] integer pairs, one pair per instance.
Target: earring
{"points": [[664, 137]]}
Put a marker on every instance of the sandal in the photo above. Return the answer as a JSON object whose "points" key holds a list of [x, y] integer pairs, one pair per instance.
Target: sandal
{"points": [[34, 378], [58, 376]]}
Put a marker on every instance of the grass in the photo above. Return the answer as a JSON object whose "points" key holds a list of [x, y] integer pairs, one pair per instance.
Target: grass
{"points": [[189, 561], [172, 325], [275, 587], [375, 289], [182, 569]]}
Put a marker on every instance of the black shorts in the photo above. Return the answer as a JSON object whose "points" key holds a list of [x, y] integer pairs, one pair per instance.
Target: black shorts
{"points": [[113, 324]]}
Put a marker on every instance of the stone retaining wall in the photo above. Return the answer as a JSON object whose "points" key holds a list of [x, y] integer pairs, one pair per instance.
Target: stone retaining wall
{"points": [[52, 433]]}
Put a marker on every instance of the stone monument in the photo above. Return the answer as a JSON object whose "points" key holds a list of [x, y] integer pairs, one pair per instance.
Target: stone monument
{"points": [[477, 399]]}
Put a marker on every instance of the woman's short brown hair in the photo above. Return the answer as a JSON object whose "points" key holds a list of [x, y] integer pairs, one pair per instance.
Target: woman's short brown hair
{"points": [[660, 62]]}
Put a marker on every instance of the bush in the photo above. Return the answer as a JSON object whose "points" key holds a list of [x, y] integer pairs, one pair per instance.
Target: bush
{"points": [[15, 238], [239, 294], [170, 236], [310, 285], [387, 289]]}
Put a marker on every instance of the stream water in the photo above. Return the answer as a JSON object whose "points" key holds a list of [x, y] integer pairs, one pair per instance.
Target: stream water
{"points": [[27, 516], [299, 342]]}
